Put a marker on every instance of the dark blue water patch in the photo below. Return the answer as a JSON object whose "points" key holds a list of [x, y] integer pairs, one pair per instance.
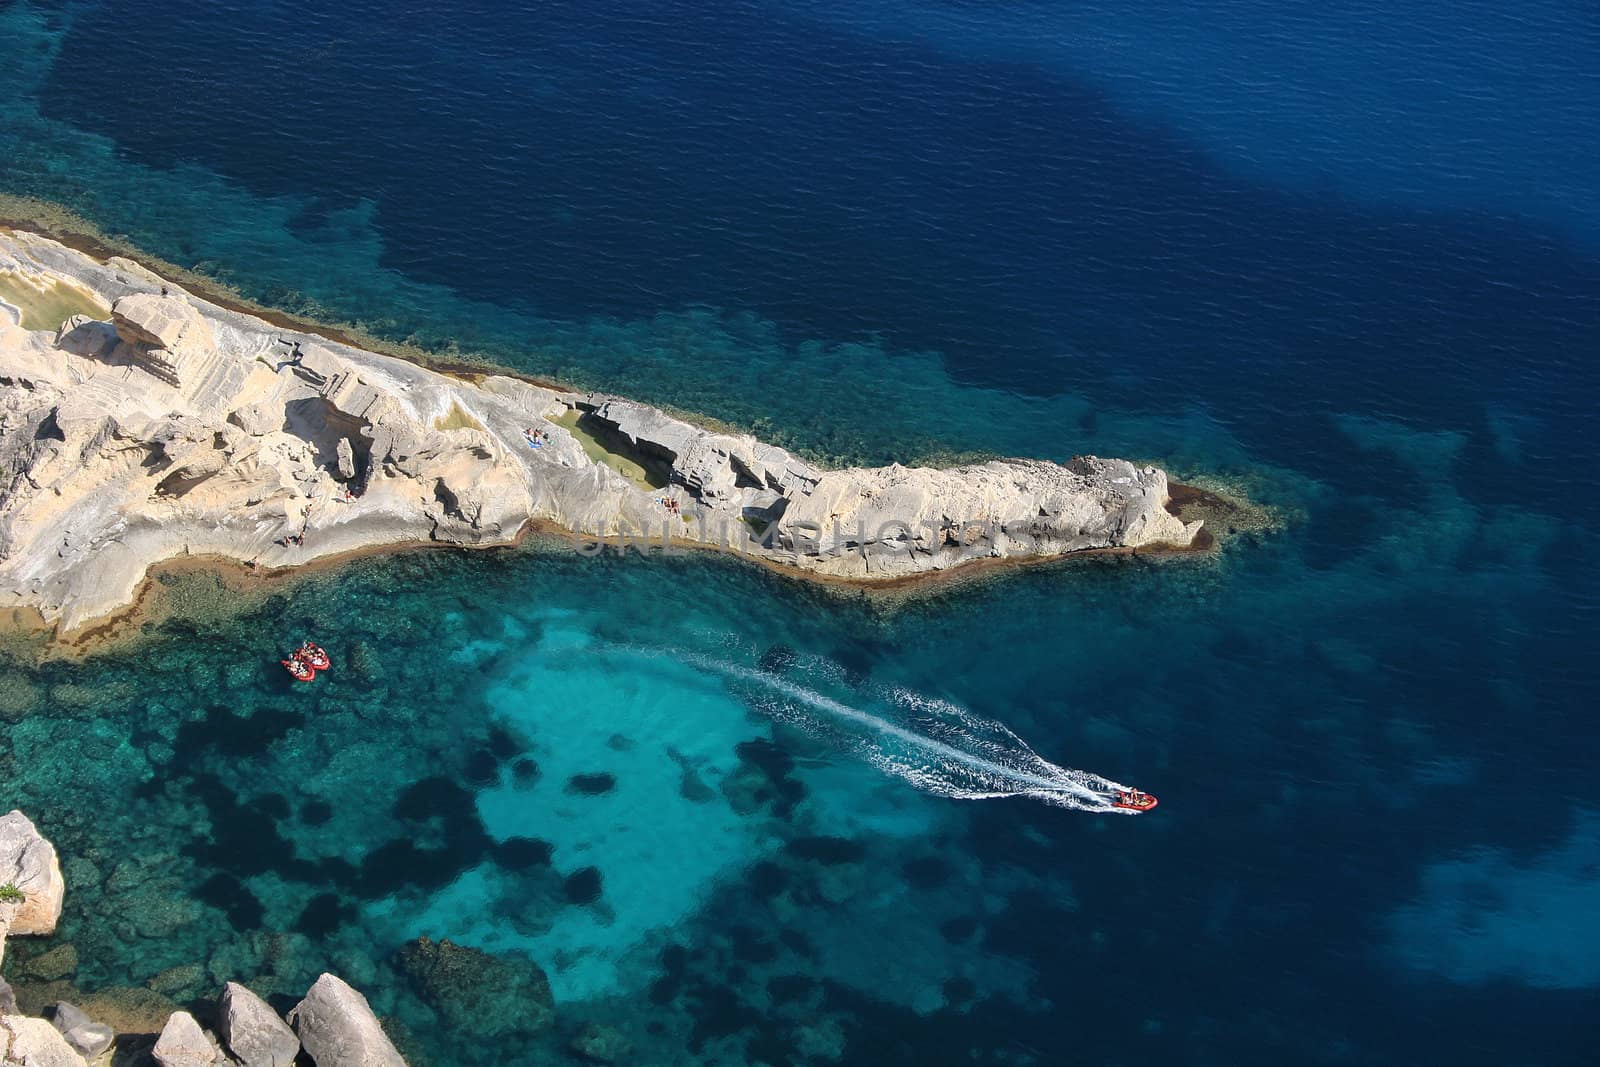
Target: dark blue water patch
{"points": [[323, 914], [503, 745], [234, 899], [246, 837], [792, 988], [316, 812], [224, 733], [1000, 213], [752, 946], [767, 880], [828, 851], [959, 929], [481, 767], [926, 872]]}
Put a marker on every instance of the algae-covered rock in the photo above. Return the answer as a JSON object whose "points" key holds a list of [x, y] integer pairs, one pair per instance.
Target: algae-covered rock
{"points": [[18, 696], [129, 1010], [59, 962], [598, 1043], [475, 992], [175, 981]]}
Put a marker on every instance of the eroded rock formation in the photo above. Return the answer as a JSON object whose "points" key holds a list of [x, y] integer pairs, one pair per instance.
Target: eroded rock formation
{"points": [[29, 870], [180, 427]]}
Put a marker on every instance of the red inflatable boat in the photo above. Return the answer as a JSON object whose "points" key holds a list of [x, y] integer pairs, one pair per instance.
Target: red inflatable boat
{"points": [[1133, 800], [299, 669]]}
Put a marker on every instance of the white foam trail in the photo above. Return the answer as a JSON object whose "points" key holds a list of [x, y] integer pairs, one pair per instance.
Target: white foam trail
{"points": [[951, 752]]}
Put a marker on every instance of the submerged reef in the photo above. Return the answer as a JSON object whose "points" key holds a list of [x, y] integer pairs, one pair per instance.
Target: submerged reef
{"points": [[151, 424]]}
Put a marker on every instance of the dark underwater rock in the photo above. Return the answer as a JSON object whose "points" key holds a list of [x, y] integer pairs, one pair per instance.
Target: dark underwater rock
{"points": [[59, 962], [523, 853], [484, 995], [525, 772], [482, 768], [591, 785], [927, 872], [583, 885], [829, 851], [600, 1044]]}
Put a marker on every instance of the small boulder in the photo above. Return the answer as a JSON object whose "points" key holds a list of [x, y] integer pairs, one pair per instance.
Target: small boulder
{"points": [[183, 1044], [256, 419], [336, 1026], [252, 1030], [35, 1043], [87, 1037]]}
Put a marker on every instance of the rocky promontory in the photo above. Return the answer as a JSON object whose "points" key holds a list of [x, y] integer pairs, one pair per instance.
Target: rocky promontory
{"points": [[152, 423]]}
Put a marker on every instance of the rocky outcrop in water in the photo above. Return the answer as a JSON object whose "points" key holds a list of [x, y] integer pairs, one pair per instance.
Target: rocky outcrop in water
{"points": [[476, 992], [181, 427]]}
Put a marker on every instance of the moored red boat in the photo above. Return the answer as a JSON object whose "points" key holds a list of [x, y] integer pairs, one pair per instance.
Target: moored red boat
{"points": [[313, 656], [299, 669]]}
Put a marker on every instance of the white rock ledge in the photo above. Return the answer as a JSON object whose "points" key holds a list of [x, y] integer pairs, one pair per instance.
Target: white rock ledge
{"points": [[180, 427]]}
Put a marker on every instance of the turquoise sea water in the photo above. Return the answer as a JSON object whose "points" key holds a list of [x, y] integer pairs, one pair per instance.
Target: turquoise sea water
{"points": [[873, 233]]}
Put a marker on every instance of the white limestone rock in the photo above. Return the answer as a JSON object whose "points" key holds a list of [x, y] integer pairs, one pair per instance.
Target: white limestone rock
{"points": [[29, 862], [336, 1026], [152, 321], [87, 1037], [184, 1044], [35, 1043], [252, 1030], [184, 428]]}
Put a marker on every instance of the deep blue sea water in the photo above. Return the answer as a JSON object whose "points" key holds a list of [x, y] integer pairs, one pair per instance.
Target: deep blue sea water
{"points": [[1346, 256]]}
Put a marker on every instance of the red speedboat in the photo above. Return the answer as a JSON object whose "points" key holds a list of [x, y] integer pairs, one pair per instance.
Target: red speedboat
{"points": [[299, 669], [1133, 800], [314, 657]]}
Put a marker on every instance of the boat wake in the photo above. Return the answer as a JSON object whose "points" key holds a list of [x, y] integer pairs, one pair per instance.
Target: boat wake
{"points": [[936, 746]]}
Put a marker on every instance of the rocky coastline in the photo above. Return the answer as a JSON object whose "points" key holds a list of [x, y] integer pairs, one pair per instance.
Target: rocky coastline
{"points": [[150, 424], [331, 1025]]}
